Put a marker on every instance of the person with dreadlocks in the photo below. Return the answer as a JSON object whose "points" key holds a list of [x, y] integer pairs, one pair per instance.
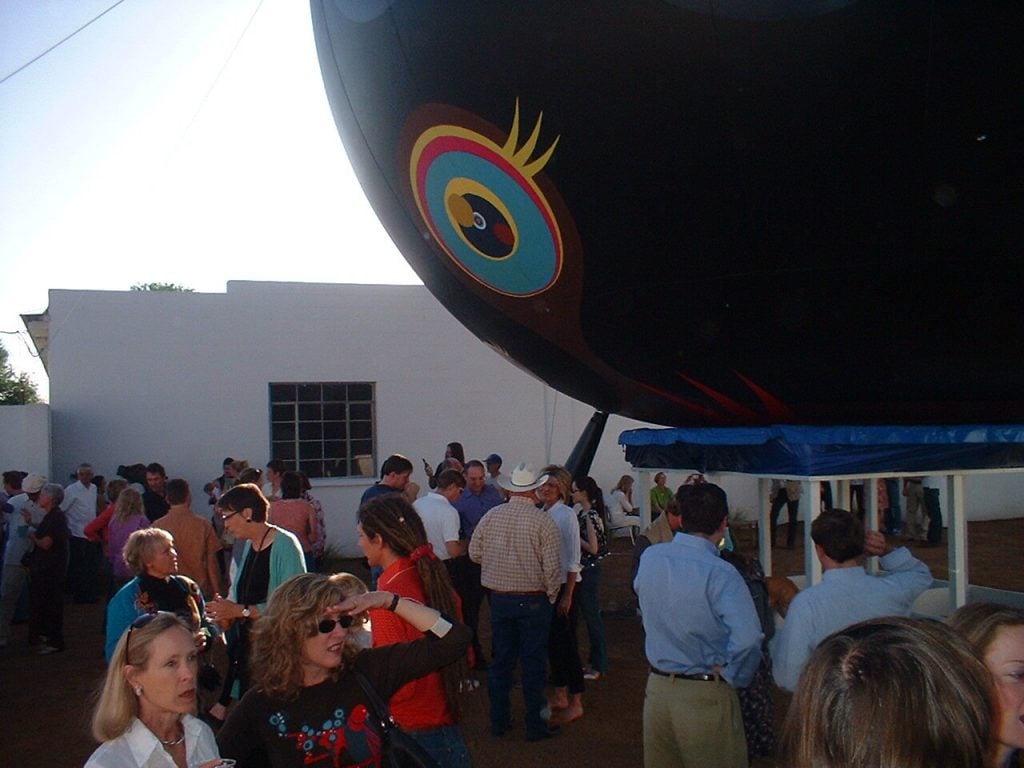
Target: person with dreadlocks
{"points": [[392, 536]]}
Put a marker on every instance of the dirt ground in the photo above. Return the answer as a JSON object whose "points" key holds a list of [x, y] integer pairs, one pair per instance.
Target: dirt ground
{"points": [[46, 701]]}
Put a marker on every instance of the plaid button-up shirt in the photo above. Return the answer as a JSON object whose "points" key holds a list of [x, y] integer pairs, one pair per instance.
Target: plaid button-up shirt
{"points": [[517, 546]]}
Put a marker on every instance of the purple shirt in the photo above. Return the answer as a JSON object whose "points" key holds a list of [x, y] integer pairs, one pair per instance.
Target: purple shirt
{"points": [[117, 534], [473, 506]]}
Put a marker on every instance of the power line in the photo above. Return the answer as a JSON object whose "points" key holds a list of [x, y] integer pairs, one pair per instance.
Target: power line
{"points": [[216, 79], [59, 43], [24, 337]]}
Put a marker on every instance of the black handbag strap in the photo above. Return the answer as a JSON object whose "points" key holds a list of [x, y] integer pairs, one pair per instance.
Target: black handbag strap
{"points": [[379, 709]]}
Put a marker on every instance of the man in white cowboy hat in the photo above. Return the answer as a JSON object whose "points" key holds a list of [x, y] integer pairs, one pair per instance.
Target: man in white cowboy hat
{"points": [[517, 546]]}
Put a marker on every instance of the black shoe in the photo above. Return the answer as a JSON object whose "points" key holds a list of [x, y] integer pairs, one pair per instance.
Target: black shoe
{"points": [[499, 730], [549, 732]]}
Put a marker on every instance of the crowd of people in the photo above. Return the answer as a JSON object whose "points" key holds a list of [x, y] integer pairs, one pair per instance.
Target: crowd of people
{"points": [[225, 644]]}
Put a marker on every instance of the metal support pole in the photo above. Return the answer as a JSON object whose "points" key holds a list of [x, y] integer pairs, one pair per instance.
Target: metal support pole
{"points": [[582, 455]]}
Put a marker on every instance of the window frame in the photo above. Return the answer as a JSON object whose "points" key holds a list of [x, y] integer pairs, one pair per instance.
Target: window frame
{"points": [[307, 440]]}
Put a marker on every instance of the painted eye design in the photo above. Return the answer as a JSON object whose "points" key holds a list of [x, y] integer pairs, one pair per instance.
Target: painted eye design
{"points": [[483, 207], [478, 216]]}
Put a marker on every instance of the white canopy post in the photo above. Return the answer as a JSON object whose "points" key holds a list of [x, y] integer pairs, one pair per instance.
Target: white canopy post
{"points": [[957, 541], [871, 502], [764, 526], [842, 495], [812, 566], [645, 498]]}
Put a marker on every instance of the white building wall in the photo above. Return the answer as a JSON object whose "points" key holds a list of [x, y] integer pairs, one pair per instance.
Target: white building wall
{"points": [[181, 378], [25, 438]]}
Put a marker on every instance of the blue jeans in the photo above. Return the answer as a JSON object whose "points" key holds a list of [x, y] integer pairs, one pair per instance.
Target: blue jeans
{"points": [[590, 607], [446, 745], [83, 569], [519, 631]]}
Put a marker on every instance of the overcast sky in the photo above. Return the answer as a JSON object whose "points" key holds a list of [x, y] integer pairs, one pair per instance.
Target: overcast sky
{"points": [[187, 142]]}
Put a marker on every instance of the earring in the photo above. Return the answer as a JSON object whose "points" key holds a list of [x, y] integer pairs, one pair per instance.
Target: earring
{"points": [[138, 690]]}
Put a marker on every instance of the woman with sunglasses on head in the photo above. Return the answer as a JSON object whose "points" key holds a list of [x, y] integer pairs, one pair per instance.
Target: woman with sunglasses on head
{"points": [[144, 714], [392, 536], [271, 555], [306, 706]]}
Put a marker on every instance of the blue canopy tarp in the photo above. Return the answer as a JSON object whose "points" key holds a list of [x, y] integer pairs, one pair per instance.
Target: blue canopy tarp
{"points": [[801, 451]]}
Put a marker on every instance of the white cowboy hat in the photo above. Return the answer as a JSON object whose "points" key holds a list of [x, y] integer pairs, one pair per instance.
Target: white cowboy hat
{"points": [[523, 478], [33, 483]]}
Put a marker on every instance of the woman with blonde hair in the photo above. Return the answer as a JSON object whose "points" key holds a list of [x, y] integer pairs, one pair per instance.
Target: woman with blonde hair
{"points": [[392, 536], [563, 648], [129, 516], [891, 693], [997, 634], [621, 510], [307, 705], [96, 529], [157, 586], [144, 714]]}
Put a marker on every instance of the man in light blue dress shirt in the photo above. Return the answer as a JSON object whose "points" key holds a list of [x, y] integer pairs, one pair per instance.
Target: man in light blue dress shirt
{"points": [[703, 640], [847, 594]]}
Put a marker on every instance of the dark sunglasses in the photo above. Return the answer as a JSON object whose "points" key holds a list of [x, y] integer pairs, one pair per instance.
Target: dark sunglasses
{"points": [[227, 516], [325, 626], [139, 623]]}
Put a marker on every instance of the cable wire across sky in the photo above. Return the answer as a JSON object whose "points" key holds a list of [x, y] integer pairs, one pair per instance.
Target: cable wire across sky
{"points": [[59, 43]]}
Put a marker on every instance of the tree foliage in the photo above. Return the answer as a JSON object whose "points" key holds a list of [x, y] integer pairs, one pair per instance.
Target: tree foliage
{"points": [[162, 287], [15, 388]]}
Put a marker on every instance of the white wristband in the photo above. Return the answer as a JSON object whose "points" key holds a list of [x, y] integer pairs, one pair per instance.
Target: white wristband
{"points": [[441, 627]]}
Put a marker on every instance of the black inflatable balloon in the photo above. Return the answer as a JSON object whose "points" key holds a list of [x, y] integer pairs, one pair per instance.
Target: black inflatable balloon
{"points": [[803, 212]]}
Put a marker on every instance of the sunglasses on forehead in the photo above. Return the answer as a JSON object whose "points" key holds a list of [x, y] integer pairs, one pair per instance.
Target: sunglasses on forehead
{"points": [[325, 626], [139, 623]]}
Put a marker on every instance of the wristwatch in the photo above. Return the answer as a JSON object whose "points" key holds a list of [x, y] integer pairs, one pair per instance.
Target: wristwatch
{"points": [[245, 611]]}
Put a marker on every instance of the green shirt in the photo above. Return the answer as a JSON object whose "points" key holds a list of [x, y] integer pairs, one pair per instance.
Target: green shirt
{"points": [[661, 495]]}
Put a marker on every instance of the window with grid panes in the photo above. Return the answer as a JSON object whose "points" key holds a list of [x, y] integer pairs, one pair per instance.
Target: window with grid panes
{"points": [[324, 429]]}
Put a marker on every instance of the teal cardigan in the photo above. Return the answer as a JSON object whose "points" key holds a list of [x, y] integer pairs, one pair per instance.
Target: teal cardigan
{"points": [[286, 560]]}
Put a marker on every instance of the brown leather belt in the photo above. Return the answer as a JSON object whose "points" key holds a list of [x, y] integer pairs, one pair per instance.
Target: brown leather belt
{"points": [[680, 676]]}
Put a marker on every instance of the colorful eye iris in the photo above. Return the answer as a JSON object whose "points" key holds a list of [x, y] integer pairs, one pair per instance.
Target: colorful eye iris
{"points": [[485, 210]]}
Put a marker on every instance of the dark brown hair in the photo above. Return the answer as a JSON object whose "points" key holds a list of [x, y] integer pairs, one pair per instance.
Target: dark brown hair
{"points": [[703, 507], [839, 533], [398, 524], [246, 495]]}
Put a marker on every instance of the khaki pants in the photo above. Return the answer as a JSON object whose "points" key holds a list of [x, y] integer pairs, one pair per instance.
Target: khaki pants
{"points": [[692, 724], [915, 524]]}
